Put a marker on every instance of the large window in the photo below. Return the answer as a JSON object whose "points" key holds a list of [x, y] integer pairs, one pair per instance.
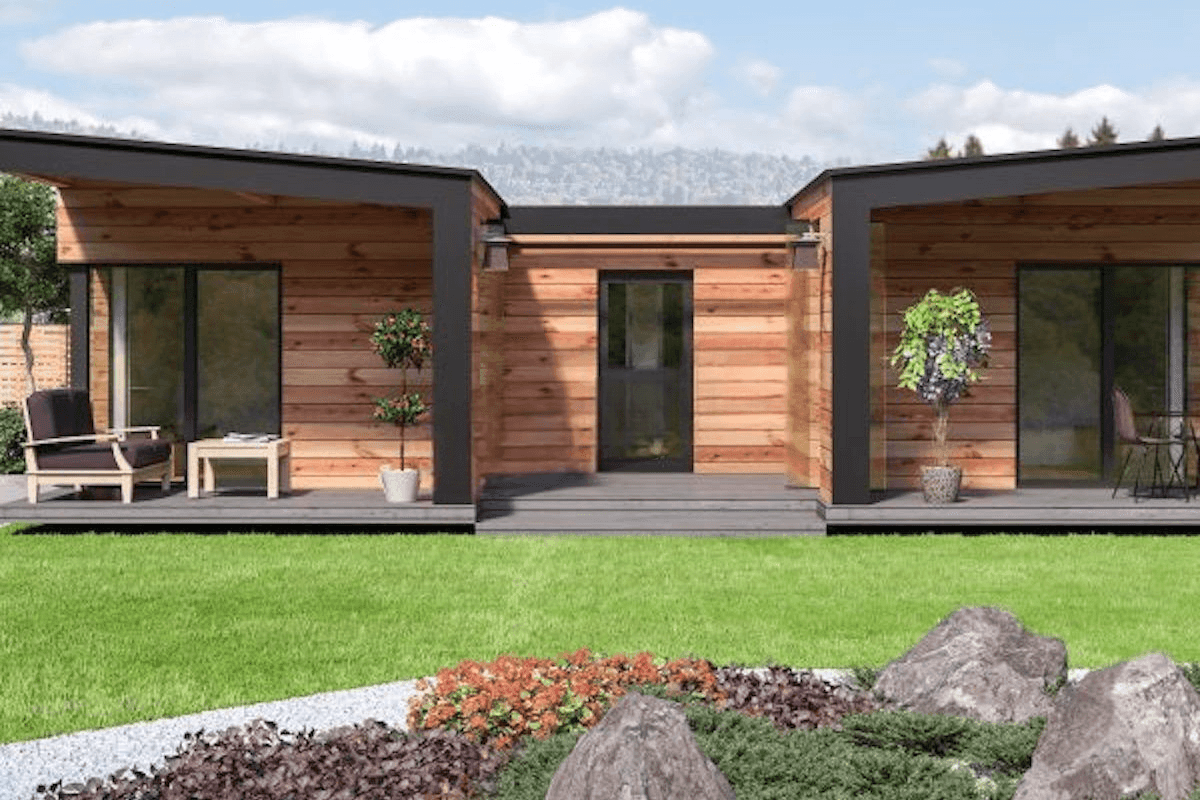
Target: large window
{"points": [[1081, 332], [195, 349]]}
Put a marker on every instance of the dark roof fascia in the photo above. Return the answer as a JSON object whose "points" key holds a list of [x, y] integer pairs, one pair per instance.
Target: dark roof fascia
{"points": [[618, 220], [68, 156], [960, 179]]}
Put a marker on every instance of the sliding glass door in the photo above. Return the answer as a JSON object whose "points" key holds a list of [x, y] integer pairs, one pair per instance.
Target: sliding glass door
{"points": [[1081, 332], [195, 349]]}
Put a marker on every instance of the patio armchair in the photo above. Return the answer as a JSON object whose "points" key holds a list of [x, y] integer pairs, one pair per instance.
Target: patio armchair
{"points": [[1146, 447], [64, 447]]}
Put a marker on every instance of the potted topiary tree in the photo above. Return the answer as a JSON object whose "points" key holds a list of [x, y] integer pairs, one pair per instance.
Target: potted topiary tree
{"points": [[403, 340], [944, 343]]}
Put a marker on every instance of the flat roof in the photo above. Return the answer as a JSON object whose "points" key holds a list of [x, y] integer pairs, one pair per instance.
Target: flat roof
{"points": [[647, 219], [1107, 165], [66, 156]]}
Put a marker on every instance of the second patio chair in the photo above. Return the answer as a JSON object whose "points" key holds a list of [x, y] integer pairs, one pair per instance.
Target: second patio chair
{"points": [[1145, 447]]}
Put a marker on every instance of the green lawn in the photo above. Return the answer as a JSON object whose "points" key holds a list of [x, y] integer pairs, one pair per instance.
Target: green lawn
{"points": [[99, 630]]}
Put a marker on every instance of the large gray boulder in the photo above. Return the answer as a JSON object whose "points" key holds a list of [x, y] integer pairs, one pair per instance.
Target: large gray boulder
{"points": [[1128, 729], [978, 663], [641, 750]]}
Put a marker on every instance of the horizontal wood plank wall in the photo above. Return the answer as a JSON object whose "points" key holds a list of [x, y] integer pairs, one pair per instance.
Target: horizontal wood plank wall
{"points": [[548, 394], [740, 365], [51, 349], [810, 376], [342, 267], [739, 344], [979, 245], [487, 353]]}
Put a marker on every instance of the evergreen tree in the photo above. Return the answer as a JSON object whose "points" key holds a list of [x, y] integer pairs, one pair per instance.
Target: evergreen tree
{"points": [[1103, 134], [1157, 134], [972, 147], [1068, 139], [939, 151], [31, 280]]}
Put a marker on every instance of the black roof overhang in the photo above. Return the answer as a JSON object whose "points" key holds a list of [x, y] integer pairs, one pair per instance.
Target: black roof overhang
{"points": [[620, 220], [446, 192], [66, 156], [856, 192]]}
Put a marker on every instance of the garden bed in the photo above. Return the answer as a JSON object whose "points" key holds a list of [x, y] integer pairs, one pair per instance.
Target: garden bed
{"points": [[500, 729]]}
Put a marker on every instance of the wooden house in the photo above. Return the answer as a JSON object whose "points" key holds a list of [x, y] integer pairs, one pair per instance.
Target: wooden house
{"points": [[217, 289]]}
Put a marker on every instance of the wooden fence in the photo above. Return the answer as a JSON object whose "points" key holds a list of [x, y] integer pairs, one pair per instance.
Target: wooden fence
{"points": [[51, 352]]}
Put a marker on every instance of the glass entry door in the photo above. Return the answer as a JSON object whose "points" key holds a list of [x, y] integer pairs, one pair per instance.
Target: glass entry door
{"points": [[645, 408]]}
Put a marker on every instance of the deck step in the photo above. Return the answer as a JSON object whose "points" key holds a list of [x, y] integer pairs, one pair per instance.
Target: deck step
{"points": [[656, 521]]}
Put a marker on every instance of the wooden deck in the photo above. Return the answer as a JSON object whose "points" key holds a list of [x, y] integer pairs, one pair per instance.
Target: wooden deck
{"points": [[231, 508], [1026, 508], [610, 504]]}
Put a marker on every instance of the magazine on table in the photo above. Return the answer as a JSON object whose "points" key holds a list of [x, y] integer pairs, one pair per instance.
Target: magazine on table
{"points": [[251, 438]]}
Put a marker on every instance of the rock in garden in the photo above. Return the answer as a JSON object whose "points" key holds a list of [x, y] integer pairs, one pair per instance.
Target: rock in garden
{"points": [[641, 750], [978, 663], [1119, 732]]}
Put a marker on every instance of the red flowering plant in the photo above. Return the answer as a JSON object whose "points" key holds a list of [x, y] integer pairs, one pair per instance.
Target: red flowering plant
{"points": [[503, 700]]}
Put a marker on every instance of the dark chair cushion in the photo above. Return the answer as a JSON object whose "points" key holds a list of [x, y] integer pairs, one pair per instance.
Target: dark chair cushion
{"points": [[99, 456], [60, 412]]}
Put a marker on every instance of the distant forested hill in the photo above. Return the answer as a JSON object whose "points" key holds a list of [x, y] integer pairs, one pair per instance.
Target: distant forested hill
{"points": [[535, 175]]}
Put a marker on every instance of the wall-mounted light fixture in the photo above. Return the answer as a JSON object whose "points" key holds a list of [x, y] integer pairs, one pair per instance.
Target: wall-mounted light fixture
{"points": [[802, 249], [495, 243]]}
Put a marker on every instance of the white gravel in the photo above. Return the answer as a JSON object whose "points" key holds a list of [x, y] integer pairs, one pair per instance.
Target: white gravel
{"points": [[76, 757]]}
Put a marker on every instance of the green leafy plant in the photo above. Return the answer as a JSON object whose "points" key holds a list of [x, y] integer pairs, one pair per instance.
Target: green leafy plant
{"points": [[404, 341], [12, 434], [944, 343]]}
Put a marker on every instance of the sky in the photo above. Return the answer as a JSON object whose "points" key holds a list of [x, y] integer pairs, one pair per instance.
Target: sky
{"points": [[842, 82]]}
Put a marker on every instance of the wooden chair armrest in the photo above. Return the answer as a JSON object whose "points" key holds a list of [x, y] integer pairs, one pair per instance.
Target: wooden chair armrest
{"points": [[151, 429], [87, 437]]}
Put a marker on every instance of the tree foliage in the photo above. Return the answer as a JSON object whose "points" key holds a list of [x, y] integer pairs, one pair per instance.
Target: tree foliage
{"points": [[1157, 135], [404, 341], [31, 280], [939, 151], [945, 341], [1103, 134], [972, 147], [1068, 139]]}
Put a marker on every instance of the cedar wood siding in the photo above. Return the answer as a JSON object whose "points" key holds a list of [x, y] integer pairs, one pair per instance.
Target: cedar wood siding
{"points": [[341, 267], [487, 352], [549, 396], [810, 349], [979, 245]]}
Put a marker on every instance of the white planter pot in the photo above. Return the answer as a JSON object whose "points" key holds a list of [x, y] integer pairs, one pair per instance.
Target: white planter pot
{"points": [[399, 485]]}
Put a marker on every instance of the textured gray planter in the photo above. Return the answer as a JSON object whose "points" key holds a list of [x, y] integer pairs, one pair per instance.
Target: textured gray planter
{"points": [[940, 484]]}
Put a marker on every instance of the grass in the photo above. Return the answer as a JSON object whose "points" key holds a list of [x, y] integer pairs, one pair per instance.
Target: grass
{"points": [[102, 629]]}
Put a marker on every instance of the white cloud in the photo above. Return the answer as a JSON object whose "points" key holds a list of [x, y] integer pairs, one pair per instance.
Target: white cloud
{"points": [[759, 75], [1008, 120], [613, 70], [24, 102]]}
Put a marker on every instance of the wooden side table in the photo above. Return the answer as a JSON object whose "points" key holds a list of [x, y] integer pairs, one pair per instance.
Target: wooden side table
{"points": [[276, 453]]}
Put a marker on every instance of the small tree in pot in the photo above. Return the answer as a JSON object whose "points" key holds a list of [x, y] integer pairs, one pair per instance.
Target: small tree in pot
{"points": [[944, 343], [404, 341]]}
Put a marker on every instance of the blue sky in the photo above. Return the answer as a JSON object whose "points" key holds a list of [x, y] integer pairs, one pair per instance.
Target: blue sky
{"points": [[858, 82]]}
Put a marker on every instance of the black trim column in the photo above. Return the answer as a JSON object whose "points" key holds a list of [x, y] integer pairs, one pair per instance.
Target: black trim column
{"points": [[81, 326], [452, 428], [851, 377]]}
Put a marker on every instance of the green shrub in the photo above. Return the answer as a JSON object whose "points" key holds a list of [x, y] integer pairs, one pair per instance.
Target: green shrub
{"points": [[763, 763], [12, 434], [527, 776]]}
